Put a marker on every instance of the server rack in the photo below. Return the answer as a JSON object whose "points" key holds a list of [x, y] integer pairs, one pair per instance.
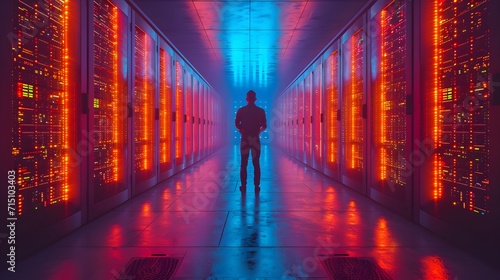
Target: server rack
{"points": [[216, 122], [331, 71], [196, 119], [188, 101], [458, 64], [301, 120], [286, 116], [288, 124], [144, 103], [41, 81], [391, 106], [179, 115], [295, 121], [88, 102], [308, 118], [166, 117], [317, 115], [107, 103], [280, 127], [426, 144], [208, 117], [353, 107], [203, 122], [210, 122], [213, 127]]}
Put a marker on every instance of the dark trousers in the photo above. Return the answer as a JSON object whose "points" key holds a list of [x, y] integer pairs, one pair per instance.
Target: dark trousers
{"points": [[250, 144]]}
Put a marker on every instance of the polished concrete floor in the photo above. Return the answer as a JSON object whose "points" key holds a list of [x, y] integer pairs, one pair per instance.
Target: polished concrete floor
{"points": [[298, 218]]}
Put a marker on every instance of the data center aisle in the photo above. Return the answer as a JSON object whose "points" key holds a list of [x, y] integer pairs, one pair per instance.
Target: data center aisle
{"points": [[298, 219]]}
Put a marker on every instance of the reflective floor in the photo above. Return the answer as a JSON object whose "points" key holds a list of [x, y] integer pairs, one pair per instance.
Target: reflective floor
{"points": [[298, 218]]}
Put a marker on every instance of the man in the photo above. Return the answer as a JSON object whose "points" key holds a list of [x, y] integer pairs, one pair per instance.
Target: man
{"points": [[250, 122]]}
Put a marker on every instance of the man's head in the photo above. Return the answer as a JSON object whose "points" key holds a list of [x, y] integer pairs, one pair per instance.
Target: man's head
{"points": [[251, 96]]}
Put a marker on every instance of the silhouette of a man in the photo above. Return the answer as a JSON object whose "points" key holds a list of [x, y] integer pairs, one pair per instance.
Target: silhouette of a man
{"points": [[250, 121]]}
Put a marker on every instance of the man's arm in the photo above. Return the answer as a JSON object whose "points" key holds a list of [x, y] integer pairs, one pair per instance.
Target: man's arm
{"points": [[237, 120], [263, 123]]}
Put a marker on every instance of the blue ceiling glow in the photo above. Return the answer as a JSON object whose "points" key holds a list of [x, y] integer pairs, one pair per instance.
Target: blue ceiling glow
{"points": [[249, 36], [237, 45]]}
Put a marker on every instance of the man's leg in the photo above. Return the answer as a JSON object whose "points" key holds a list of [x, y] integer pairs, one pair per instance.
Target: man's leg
{"points": [[255, 162], [244, 150]]}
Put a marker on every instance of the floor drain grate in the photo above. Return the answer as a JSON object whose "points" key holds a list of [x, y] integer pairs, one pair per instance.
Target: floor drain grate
{"points": [[150, 268], [353, 268]]}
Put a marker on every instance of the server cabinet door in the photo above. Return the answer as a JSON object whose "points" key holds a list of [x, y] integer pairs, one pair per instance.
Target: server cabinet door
{"points": [[332, 114], [308, 119], [301, 119], [179, 116], [295, 121], [188, 117], [205, 121], [108, 96], [203, 133], [390, 178], [43, 148], [317, 122], [166, 129], [459, 194], [287, 117], [196, 118], [211, 122], [353, 107], [144, 103]]}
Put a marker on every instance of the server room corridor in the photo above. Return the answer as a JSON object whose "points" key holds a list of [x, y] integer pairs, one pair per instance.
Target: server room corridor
{"points": [[298, 219], [121, 139]]}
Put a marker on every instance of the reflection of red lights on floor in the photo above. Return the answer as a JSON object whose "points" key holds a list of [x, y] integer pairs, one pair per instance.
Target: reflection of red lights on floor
{"points": [[434, 268]]}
